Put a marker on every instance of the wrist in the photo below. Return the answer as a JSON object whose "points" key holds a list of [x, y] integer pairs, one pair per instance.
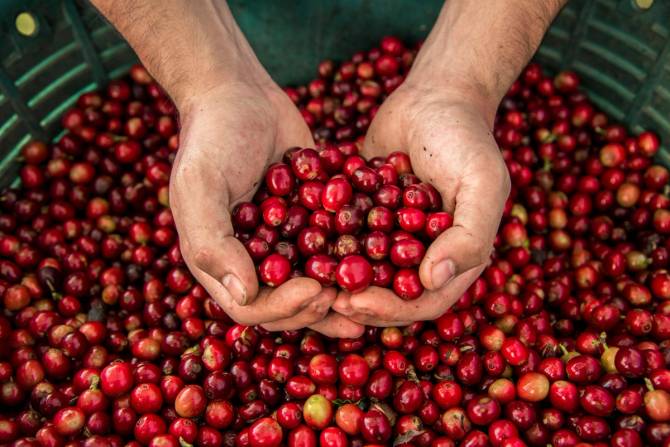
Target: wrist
{"points": [[476, 50], [189, 47], [457, 87], [216, 55], [210, 68]]}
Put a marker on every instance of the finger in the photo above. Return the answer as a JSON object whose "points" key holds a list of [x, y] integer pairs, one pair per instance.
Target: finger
{"points": [[365, 308], [230, 263], [374, 306], [468, 243], [313, 313], [207, 236], [293, 131], [381, 307], [338, 326], [270, 305]]}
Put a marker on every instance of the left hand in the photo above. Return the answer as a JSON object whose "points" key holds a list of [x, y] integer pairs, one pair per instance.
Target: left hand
{"points": [[259, 118], [448, 137]]}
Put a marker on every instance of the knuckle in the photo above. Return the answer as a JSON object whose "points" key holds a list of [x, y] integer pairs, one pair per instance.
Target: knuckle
{"points": [[480, 248], [484, 255], [185, 249], [294, 308], [244, 320], [317, 310], [178, 182], [476, 244], [500, 175], [179, 177], [202, 256], [506, 182], [357, 331], [360, 308], [368, 313]]}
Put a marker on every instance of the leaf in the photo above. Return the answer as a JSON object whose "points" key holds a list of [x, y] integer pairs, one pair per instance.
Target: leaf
{"points": [[386, 410], [411, 375], [96, 312], [95, 381], [340, 402], [466, 348], [362, 404], [192, 350], [407, 437], [449, 376], [648, 383]]}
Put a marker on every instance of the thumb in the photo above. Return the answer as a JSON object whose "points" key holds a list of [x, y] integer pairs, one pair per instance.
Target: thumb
{"points": [[207, 237], [468, 243], [228, 262], [455, 251]]}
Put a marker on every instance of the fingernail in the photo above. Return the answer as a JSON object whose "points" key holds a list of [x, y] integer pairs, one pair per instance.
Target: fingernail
{"points": [[443, 272], [235, 288]]}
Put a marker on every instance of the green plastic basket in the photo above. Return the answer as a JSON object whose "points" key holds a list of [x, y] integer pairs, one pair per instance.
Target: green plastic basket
{"points": [[54, 50]]}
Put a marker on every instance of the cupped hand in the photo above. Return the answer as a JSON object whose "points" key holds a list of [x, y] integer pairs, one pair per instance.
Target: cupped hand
{"points": [[230, 135], [450, 144]]}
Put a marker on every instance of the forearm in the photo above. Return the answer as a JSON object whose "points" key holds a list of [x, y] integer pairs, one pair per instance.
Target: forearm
{"points": [[480, 47], [188, 46]]}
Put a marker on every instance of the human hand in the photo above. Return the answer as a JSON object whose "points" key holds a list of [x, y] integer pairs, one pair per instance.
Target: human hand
{"points": [[449, 141], [230, 135], [228, 104], [235, 122], [443, 115]]}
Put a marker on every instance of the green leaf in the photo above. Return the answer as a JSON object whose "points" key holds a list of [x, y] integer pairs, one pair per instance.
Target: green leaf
{"points": [[407, 437], [411, 375], [340, 402], [386, 410]]}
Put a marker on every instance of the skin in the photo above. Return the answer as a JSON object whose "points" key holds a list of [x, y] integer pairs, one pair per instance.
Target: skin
{"points": [[443, 116], [236, 121]]}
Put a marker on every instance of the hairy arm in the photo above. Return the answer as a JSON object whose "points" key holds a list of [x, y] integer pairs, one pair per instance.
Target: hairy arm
{"points": [[190, 47], [235, 122], [443, 116], [478, 48]]}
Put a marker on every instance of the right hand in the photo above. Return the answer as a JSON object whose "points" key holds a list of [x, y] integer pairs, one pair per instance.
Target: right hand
{"points": [[448, 138], [230, 135]]}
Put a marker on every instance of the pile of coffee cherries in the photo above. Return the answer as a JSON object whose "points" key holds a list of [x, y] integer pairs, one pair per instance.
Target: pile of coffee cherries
{"points": [[564, 340], [349, 221]]}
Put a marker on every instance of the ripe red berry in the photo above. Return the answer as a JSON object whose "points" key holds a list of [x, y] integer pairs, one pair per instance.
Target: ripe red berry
{"points": [[407, 253], [265, 432], [116, 379], [354, 274], [322, 268], [279, 179], [407, 285], [336, 194], [190, 401], [354, 370], [306, 164], [274, 270]]}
